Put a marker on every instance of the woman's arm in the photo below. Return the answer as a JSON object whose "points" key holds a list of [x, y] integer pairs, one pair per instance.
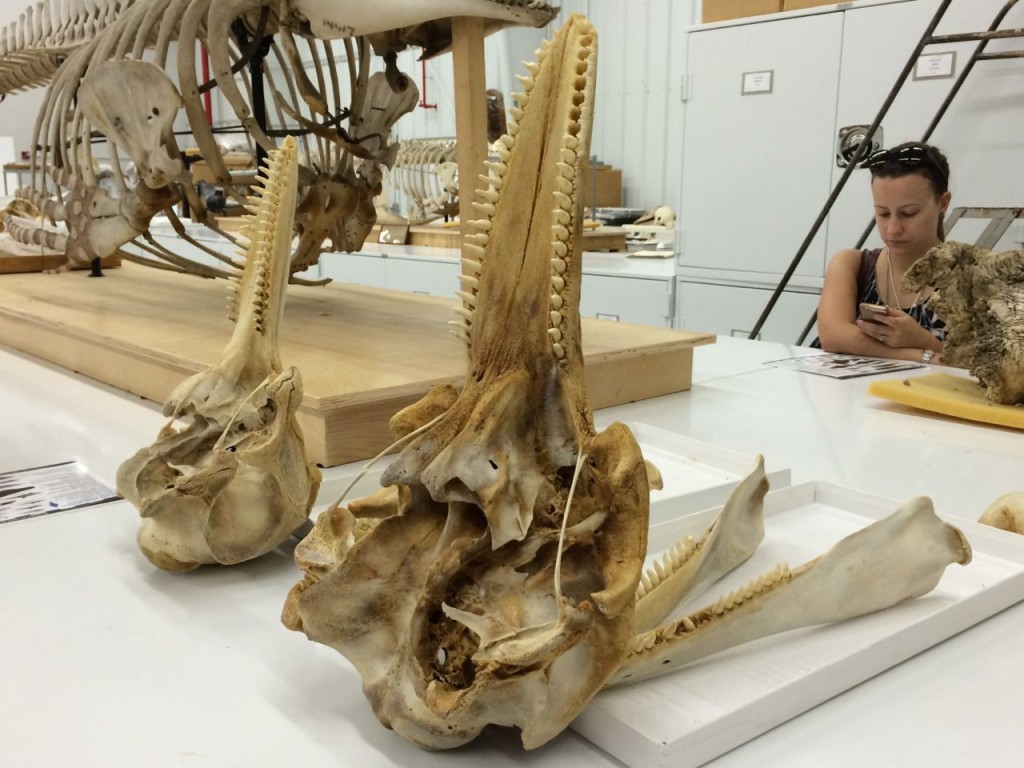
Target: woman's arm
{"points": [[840, 330]]}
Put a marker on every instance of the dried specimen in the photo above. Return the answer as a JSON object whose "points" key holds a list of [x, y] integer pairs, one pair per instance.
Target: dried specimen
{"points": [[980, 296], [501, 579], [235, 482]]}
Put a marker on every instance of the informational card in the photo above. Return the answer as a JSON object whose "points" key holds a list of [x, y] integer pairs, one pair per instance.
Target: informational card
{"points": [[844, 366], [54, 488]]}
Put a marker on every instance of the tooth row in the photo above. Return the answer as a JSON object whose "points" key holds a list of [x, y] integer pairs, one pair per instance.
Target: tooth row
{"points": [[256, 237], [761, 584], [467, 297], [234, 291], [459, 329], [559, 235], [668, 564], [490, 195]]}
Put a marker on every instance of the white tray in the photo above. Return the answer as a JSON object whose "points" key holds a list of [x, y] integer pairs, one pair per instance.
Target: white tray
{"points": [[696, 475], [691, 716]]}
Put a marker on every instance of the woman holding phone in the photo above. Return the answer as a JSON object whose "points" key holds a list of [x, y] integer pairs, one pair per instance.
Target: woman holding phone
{"points": [[863, 308]]}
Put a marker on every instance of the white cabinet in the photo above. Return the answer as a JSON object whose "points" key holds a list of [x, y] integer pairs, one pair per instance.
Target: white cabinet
{"points": [[614, 287], [424, 275], [357, 268], [731, 310], [432, 277], [756, 165], [627, 299]]}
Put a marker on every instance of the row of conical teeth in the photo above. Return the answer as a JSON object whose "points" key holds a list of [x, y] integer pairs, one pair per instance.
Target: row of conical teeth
{"points": [[564, 212], [256, 242], [478, 235], [764, 583], [668, 564]]}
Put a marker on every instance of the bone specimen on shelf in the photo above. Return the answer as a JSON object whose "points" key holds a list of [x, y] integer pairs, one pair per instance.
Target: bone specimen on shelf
{"points": [[1006, 512], [662, 216], [421, 183], [502, 581], [980, 297], [345, 132], [235, 482]]}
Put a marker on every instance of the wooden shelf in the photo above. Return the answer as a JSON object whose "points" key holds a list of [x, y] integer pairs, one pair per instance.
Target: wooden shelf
{"points": [[436, 236], [45, 260], [363, 353]]}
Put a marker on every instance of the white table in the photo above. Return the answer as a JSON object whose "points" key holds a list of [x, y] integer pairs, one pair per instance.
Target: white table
{"points": [[105, 661]]}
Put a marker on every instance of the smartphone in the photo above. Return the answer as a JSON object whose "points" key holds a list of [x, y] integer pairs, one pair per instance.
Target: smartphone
{"points": [[871, 311]]}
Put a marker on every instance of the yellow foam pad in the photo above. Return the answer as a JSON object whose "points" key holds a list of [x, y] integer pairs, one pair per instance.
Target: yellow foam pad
{"points": [[949, 395]]}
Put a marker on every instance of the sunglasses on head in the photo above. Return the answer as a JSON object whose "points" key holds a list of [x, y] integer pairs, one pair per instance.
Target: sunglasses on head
{"points": [[906, 157]]}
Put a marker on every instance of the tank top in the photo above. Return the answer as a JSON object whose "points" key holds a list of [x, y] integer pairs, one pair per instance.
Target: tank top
{"points": [[867, 291]]}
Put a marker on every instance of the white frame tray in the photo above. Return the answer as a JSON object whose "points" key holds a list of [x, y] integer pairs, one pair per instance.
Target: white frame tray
{"points": [[696, 475], [693, 715]]}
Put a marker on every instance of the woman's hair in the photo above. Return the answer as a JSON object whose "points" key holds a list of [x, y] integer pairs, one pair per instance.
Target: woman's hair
{"points": [[913, 158], [910, 158]]}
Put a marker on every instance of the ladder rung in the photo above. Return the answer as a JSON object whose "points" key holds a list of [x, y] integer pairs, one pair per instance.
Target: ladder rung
{"points": [[1000, 55], [963, 37]]}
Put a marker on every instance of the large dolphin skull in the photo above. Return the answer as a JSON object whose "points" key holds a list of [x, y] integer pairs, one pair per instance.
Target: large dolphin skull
{"points": [[500, 581]]}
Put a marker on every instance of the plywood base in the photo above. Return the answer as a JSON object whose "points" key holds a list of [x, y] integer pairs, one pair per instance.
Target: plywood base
{"points": [[437, 236], [41, 262], [363, 353]]}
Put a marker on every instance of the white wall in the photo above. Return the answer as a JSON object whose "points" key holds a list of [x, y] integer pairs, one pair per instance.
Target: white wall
{"points": [[638, 124]]}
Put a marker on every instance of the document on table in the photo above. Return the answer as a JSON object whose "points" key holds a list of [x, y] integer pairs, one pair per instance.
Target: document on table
{"points": [[844, 366], [54, 488]]}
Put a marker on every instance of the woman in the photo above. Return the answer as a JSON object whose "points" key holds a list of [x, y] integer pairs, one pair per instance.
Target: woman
{"points": [[910, 189]]}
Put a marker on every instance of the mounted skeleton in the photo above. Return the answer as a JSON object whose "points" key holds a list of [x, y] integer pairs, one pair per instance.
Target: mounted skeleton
{"points": [[107, 65]]}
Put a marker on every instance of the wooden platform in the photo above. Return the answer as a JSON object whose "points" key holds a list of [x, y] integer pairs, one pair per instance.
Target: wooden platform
{"points": [[436, 236], [363, 352], [44, 260]]}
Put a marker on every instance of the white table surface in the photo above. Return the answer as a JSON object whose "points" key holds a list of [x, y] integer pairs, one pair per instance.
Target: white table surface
{"points": [[105, 661]]}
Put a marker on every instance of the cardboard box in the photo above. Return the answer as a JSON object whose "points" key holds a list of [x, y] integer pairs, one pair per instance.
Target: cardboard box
{"points": [[602, 186], [236, 163], [721, 10], [794, 5]]}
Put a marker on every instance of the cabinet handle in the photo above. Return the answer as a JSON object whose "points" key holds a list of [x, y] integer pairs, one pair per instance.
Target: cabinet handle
{"points": [[737, 333]]}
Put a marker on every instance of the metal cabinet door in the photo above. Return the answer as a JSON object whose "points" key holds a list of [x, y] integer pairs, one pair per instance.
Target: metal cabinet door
{"points": [[731, 310], [361, 269], [756, 167], [627, 299], [431, 277]]}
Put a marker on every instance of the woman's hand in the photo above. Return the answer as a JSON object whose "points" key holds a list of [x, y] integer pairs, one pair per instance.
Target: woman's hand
{"points": [[896, 329]]}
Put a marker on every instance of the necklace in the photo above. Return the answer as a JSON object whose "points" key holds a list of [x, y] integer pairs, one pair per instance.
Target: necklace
{"points": [[892, 284]]}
